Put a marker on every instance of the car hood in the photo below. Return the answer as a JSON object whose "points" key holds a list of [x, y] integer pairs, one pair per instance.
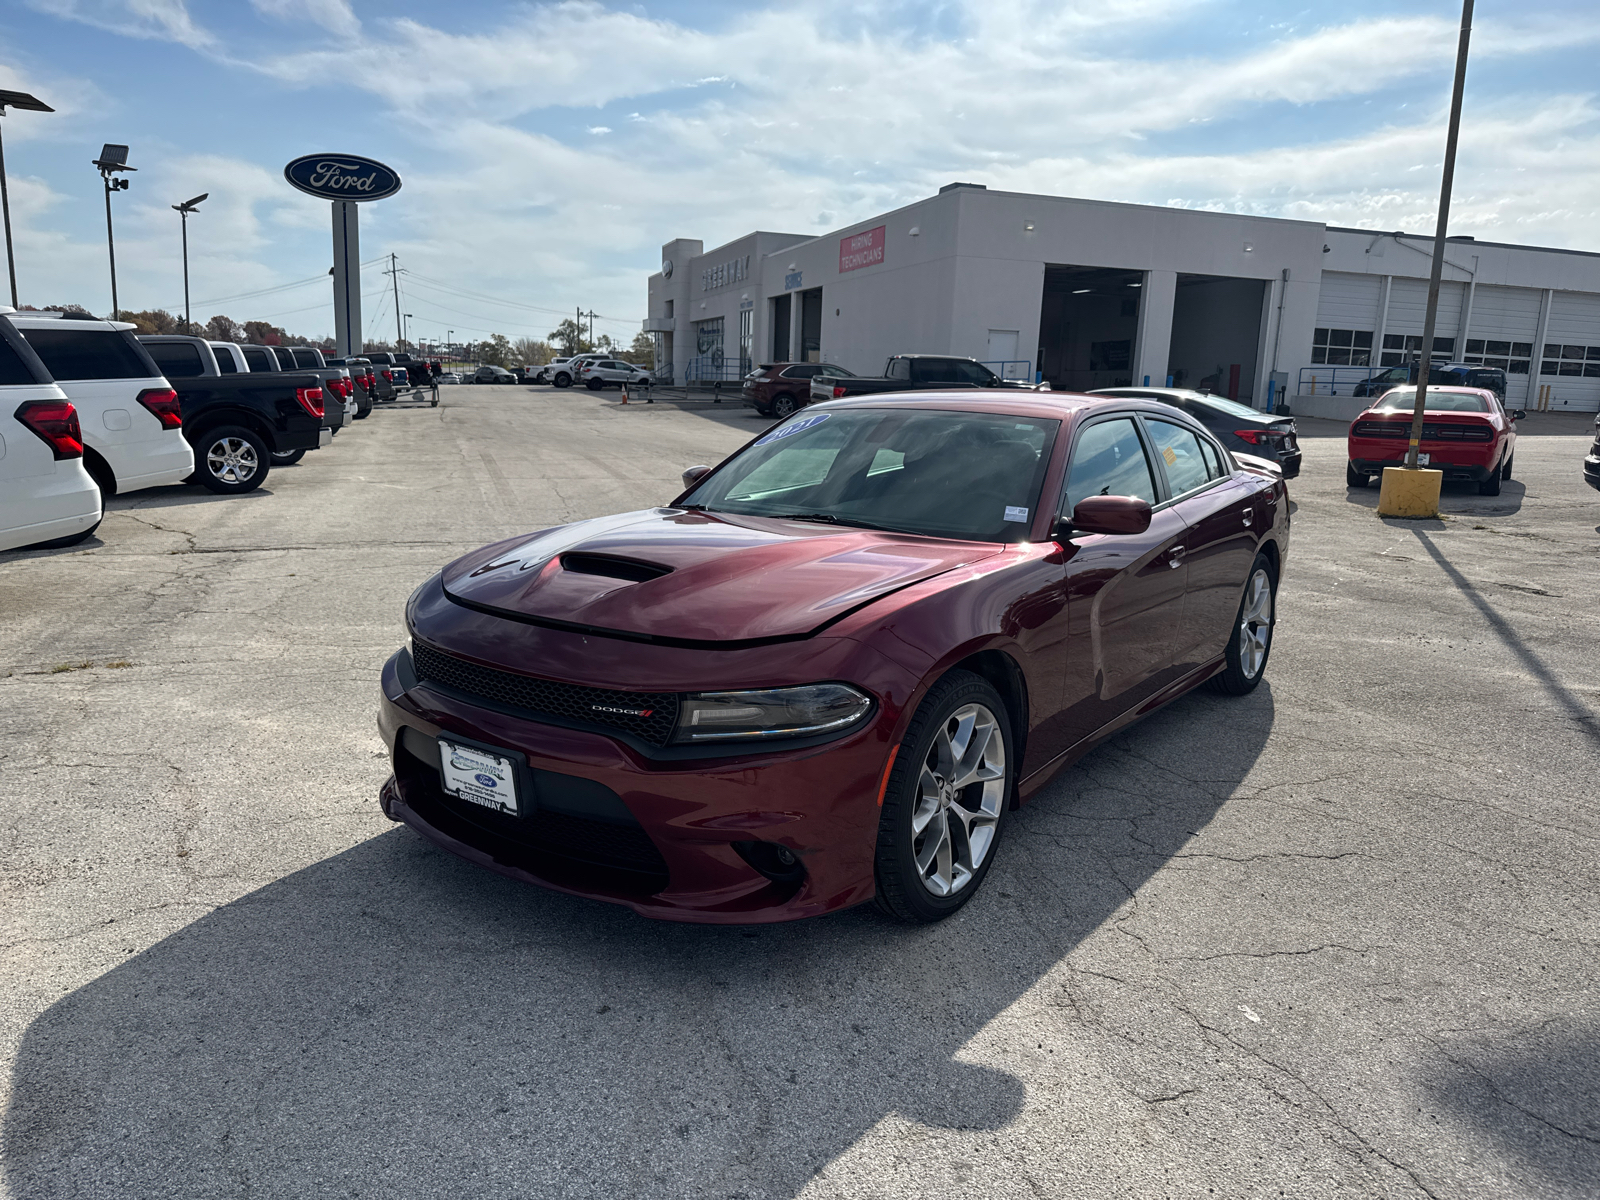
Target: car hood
{"points": [[680, 576]]}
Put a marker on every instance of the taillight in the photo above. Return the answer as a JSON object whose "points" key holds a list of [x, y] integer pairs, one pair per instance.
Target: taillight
{"points": [[163, 405], [347, 386], [56, 423], [310, 400], [387, 376], [838, 393]]}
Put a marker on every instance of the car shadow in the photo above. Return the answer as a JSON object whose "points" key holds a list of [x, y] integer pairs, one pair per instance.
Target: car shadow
{"points": [[182, 495], [1457, 498], [393, 1021], [1534, 1092], [92, 542]]}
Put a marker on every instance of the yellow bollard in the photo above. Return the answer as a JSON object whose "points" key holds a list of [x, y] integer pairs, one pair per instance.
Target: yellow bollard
{"points": [[1405, 493]]}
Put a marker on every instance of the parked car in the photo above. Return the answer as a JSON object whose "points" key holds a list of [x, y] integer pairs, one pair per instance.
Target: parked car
{"points": [[129, 415], [1466, 433], [378, 388], [612, 372], [493, 375], [1239, 427], [182, 357], [888, 624], [449, 377], [777, 389], [1591, 461], [548, 372], [47, 498], [241, 425], [569, 372], [913, 372], [1445, 374]]}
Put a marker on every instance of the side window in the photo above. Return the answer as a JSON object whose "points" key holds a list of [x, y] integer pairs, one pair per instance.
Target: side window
{"points": [[1179, 450], [13, 369], [932, 370], [1213, 457], [804, 371], [1109, 460], [224, 361], [257, 359], [177, 360], [89, 354], [970, 372], [899, 368]]}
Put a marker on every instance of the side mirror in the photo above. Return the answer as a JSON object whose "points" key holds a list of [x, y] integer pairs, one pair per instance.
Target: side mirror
{"points": [[1517, 414], [1111, 514], [694, 475]]}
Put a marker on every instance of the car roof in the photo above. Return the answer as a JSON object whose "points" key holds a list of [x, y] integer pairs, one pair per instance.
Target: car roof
{"points": [[54, 320], [1056, 405]]}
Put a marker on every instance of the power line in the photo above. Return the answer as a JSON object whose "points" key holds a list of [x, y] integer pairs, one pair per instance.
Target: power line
{"points": [[439, 283], [281, 287]]}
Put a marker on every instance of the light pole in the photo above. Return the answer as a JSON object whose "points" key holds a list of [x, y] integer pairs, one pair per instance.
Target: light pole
{"points": [[31, 104], [408, 317], [183, 210], [113, 159]]}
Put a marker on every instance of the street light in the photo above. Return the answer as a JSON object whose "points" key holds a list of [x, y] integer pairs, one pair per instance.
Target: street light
{"points": [[183, 210], [402, 332], [113, 159], [30, 104]]}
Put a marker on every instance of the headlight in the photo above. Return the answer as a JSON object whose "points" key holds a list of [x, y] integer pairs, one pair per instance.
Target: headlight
{"points": [[772, 713]]}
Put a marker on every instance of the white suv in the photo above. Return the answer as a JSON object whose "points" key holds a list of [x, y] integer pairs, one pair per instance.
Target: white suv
{"points": [[611, 372], [132, 423], [46, 497]]}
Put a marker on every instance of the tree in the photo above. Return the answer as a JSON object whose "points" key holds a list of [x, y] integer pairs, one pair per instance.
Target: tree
{"points": [[155, 320], [495, 350], [531, 352], [263, 334], [643, 351], [569, 336], [223, 329]]}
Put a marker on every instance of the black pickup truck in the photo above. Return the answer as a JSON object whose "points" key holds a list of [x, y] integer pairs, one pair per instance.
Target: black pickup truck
{"points": [[236, 423], [912, 373]]}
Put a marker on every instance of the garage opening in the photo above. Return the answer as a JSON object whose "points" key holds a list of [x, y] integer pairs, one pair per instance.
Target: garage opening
{"points": [[780, 328], [1216, 334], [811, 325], [1088, 320]]}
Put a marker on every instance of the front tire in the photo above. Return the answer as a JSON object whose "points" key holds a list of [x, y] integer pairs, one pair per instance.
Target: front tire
{"points": [[287, 458], [1354, 478], [562, 379], [947, 798], [1250, 645], [231, 459]]}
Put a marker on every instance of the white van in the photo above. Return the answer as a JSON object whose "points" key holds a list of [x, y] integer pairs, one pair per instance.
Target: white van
{"points": [[132, 423], [46, 497]]}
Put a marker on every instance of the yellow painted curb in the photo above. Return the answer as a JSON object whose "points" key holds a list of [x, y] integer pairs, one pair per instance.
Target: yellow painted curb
{"points": [[1409, 493]]}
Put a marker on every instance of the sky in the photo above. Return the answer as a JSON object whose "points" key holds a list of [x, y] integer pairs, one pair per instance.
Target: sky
{"points": [[549, 150]]}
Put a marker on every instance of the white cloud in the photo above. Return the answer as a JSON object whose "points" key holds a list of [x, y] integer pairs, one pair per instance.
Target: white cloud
{"points": [[167, 20], [335, 16]]}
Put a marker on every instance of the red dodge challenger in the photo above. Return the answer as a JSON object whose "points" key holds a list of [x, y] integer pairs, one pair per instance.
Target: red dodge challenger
{"points": [[828, 670], [1466, 433]]}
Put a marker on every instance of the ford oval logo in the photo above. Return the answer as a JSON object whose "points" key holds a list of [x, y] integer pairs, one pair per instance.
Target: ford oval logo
{"points": [[342, 177]]}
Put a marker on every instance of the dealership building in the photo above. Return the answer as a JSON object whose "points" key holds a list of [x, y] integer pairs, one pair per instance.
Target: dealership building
{"points": [[1088, 294]]}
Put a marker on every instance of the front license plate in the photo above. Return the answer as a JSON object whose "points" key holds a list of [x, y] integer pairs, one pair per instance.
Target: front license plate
{"points": [[1422, 460], [479, 776]]}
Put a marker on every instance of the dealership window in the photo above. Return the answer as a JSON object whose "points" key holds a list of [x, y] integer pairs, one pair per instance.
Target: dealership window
{"points": [[1398, 348], [1511, 357], [708, 349], [1570, 360], [747, 324], [1342, 347]]}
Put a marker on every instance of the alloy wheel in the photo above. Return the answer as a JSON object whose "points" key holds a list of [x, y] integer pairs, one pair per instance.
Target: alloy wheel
{"points": [[232, 460], [1255, 624], [960, 793]]}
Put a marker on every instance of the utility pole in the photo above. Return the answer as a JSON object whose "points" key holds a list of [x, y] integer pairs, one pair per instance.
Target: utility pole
{"points": [[1417, 494], [399, 330]]}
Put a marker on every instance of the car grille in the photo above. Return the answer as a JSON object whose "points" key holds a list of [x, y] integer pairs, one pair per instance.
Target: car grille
{"points": [[648, 716], [553, 845], [1431, 432]]}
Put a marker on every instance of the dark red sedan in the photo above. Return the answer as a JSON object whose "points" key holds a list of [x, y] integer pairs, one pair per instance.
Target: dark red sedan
{"points": [[829, 670], [1466, 433]]}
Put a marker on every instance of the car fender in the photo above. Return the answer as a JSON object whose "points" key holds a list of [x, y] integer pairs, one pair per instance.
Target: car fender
{"points": [[230, 415]]}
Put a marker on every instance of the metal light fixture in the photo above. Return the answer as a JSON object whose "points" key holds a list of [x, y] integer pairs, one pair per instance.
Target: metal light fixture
{"points": [[113, 158], [183, 210], [29, 104]]}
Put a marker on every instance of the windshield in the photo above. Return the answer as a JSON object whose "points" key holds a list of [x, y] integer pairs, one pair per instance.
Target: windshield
{"points": [[944, 474], [1398, 399]]}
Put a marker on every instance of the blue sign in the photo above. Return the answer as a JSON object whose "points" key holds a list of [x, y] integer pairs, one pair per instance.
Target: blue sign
{"points": [[794, 427], [342, 177], [792, 280]]}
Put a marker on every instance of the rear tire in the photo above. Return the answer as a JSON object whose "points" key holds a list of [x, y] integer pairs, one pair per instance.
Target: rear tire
{"points": [[1354, 478], [230, 459], [784, 405], [1250, 643], [937, 836], [1491, 485], [363, 409], [1505, 471], [596, 384]]}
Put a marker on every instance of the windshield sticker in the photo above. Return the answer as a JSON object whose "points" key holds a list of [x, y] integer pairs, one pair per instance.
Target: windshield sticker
{"points": [[794, 427], [1168, 454], [1016, 514]]}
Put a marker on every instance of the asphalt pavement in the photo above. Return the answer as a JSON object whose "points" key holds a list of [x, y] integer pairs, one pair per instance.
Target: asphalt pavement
{"points": [[1335, 938]]}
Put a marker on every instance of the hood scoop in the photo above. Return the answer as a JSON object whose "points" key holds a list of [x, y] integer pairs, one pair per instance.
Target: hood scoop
{"points": [[629, 570]]}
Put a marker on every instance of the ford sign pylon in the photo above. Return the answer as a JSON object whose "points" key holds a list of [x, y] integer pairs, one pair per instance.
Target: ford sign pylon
{"points": [[347, 180]]}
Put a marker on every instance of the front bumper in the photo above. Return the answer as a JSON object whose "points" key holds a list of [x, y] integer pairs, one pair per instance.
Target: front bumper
{"points": [[661, 833], [1591, 468]]}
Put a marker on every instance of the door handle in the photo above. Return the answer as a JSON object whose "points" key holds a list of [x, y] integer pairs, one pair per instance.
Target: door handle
{"points": [[1249, 516], [1177, 553]]}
